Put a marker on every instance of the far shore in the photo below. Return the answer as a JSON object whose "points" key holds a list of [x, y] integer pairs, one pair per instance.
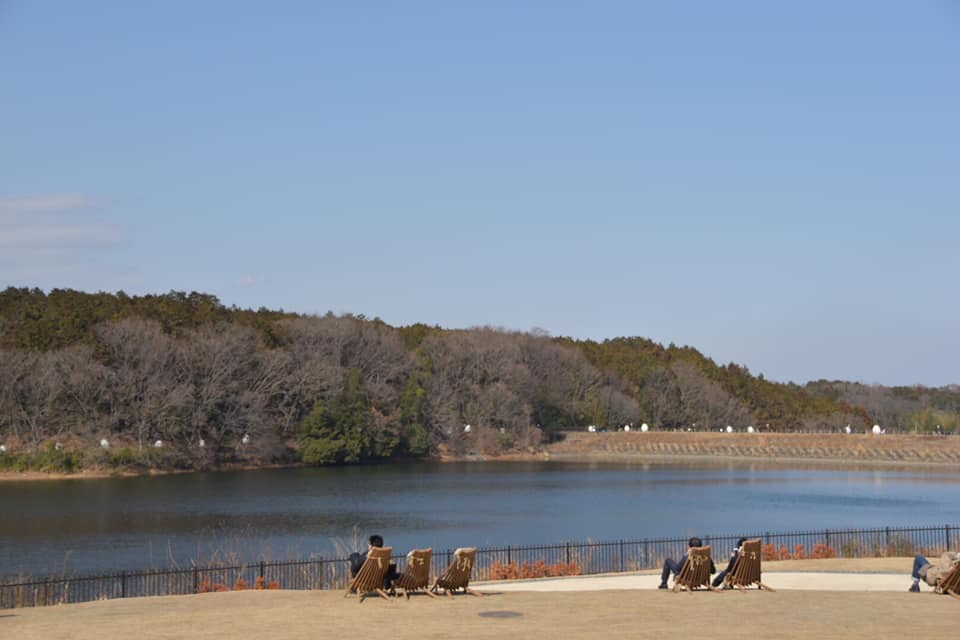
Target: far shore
{"points": [[770, 450]]}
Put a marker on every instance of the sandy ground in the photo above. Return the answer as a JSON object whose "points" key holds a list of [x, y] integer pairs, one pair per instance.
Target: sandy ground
{"points": [[818, 599]]}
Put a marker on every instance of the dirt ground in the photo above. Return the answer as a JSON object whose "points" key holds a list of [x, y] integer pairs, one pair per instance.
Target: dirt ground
{"points": [[807, 449], [635, 613]]}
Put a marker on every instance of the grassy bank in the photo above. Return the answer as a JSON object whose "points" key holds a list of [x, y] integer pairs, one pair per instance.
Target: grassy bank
{"points": [[908, 451], [831, 448]]}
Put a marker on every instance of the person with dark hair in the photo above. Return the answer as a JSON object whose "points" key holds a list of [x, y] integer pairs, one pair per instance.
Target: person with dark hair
{"points": [[672, 566], [357, 559], [733, 560]]}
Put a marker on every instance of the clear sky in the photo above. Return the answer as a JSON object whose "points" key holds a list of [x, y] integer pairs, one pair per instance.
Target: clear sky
{"points": [[774, 183]]}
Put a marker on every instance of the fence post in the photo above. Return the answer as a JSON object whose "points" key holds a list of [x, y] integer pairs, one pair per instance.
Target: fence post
{"points": [[621, 556], [946, 542], [568, 548], [509, 556], [196, 580], [886, 543], [261, 569], [123, 584]]}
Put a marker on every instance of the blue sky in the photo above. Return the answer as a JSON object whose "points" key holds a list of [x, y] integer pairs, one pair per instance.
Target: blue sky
{"points": [[775, 184]]}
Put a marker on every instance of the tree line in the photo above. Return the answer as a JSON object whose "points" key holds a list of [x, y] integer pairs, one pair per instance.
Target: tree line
{"points": [[180, 380]]}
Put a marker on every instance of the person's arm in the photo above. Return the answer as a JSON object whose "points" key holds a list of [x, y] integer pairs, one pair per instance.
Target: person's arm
{"points": [[356, 562], [733, 560]]}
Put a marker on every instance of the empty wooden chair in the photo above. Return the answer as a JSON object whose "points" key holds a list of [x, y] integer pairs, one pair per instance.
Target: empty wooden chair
{"points": [[372, 574], [416, 575], [457, 575], [695, 572], [746, 569]]}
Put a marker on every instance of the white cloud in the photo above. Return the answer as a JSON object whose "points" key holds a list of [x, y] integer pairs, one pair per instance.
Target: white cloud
{"points": [[54, 222], [47, 203], [250, 281]]}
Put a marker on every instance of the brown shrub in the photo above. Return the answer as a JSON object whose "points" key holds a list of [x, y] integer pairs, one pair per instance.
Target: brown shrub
{"points": [[538, 569]]}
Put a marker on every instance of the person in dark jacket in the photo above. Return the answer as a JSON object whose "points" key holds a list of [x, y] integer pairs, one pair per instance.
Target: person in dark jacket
{"points": [[733, 560], [357, 559], [672, 566]]}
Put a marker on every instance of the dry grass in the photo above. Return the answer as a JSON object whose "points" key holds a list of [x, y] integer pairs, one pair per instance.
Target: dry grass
{"points": [[594, 614]]}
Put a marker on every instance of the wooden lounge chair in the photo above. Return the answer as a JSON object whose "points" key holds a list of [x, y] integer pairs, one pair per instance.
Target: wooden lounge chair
{"points": [[371, 575], [457, 575], [746, 569], [950, 583], [695, 572], [416, 575]]}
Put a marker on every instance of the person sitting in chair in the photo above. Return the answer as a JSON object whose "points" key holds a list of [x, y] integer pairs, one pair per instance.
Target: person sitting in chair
{"points": [[357, 559], [932, 573], [672, 566], [733, 560]]}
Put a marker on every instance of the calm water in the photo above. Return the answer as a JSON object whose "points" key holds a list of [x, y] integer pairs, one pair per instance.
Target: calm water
{"points": [[128, 523]]}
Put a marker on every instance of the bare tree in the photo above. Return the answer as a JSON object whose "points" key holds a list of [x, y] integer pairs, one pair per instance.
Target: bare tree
{"points": [[705, 402], [37, 389], [475, 379], [146, 389], [220, 362]]}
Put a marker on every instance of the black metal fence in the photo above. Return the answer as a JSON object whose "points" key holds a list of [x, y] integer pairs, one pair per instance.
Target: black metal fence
{"points": [[586, 557]]}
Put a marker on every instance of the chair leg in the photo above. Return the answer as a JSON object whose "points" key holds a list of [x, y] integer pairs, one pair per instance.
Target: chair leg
{"points": [[429, 593], [472, 592], [765, 587], [383, 594]]}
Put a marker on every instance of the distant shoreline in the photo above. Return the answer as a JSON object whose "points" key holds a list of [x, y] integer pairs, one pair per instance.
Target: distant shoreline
{"points": [[782, 450]]}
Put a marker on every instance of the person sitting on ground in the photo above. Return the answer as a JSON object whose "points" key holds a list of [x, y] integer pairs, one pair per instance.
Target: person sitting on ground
{"points": [[932, 573], [357, 560], [672, 566], [733, 560]]}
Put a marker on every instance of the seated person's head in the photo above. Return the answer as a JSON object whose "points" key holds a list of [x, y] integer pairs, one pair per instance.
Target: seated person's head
{"points": [[376, 540], [695, 542], [740, 542]]}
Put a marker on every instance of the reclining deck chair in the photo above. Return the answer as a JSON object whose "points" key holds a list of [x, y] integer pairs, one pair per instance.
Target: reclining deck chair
{"points": [[416, 575], [457, 575], [746, 569], [950, 583], [695, 572], [372, 574]]}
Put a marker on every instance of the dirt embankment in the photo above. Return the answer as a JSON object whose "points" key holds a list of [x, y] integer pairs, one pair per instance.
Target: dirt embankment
{"points": [[907, 450]]}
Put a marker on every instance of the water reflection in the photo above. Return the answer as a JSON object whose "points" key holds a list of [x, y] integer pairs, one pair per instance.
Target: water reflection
{"points": [[127, 523]]}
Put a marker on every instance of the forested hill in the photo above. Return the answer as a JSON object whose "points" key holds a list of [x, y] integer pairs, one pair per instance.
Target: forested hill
{"points": [[155, 375]]}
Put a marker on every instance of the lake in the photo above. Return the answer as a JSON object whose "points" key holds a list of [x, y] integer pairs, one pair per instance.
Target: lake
{"points": [[131, 523]]}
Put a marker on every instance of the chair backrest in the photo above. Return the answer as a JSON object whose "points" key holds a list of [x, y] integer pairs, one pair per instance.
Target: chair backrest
{"points": [[746, 570], [416, 575], [950, 583], [374, 570], [457, 575], [696, 570]]}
